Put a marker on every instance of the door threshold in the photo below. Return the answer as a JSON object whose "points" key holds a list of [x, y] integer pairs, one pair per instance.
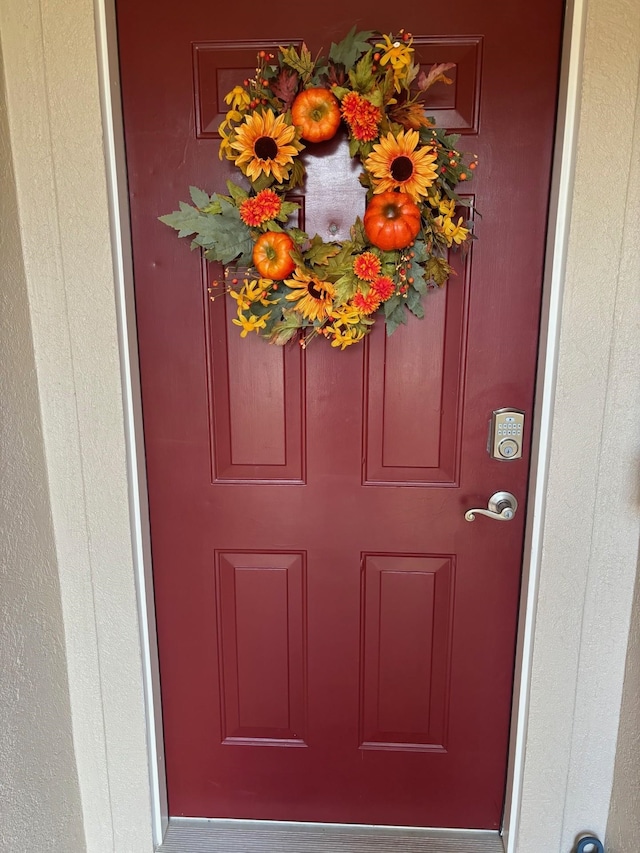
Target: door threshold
{"points": [[195, 835]]}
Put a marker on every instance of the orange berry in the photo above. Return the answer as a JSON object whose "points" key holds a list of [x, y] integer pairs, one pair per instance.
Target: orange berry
{"points": [[262, 54], [463, 176], [376, 56], [472, 165]]}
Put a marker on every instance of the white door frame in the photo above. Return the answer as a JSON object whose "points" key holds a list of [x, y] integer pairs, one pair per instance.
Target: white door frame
{"points": [[561, 196]]}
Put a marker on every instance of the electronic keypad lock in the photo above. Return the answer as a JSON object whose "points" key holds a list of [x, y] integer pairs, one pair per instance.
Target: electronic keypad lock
{"points": [[506, 434]]}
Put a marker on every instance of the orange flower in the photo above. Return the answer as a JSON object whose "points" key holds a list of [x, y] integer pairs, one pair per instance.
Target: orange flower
{"points": [[366, 266], [383, 288], [361, 115], [261, 208], [366, 304]]}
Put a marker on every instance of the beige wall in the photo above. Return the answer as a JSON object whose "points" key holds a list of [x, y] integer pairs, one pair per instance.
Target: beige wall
{"points": [[623, 829], [39, 793], [591, 519]]}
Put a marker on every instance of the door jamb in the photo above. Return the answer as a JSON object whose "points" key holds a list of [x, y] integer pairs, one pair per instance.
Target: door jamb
{"points": [[559, 220], [556, 251]]}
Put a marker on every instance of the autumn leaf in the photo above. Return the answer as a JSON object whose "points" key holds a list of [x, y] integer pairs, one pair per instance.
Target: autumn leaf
{"points": [[410, 115], [286, 329], [437, 270], [436, 75], [285, 87], [301, 62]]}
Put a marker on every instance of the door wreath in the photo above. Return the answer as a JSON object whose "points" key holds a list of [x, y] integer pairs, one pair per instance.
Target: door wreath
{"points": [[300, 286]]}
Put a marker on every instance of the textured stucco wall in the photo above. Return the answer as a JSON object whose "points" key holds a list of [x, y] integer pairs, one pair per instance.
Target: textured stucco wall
{"points": [[591, 521], [39, 793]]}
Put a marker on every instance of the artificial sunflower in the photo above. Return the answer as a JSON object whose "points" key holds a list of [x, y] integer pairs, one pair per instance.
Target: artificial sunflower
{"points": [[396, 163], [313, 297], [265, 145]]}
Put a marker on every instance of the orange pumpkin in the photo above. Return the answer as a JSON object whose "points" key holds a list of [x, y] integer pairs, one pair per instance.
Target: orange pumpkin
{"points": [[392, 221], [272, 255], [317, 113]]}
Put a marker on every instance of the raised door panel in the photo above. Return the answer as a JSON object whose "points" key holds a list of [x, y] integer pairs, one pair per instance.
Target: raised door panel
{"points": [[262, 646]]}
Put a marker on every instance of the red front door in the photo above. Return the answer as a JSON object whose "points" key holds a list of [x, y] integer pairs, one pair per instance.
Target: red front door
{"points": [[336, 641]]}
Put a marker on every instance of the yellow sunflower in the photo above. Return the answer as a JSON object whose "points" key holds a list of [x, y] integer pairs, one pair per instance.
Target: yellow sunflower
{"points": [[313, 297], [396, 162], [266, 145]]}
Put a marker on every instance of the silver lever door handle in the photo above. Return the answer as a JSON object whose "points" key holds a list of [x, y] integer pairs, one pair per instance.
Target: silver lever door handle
{"points": [[502, 506]]}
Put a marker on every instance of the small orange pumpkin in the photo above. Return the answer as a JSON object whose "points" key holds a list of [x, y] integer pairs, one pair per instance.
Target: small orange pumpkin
{"points": [[392, 221], [272, 255], [317, 113]]}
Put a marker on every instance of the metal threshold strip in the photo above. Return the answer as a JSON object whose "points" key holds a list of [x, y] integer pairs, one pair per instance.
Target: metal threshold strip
{"points": [[191, 835]]}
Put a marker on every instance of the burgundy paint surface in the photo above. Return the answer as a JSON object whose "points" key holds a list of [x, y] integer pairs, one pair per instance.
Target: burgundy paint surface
{"points": [[336, 642]]}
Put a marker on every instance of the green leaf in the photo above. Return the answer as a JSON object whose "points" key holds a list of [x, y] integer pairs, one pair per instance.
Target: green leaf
{"points": [[319, 252], [186, 221], [296, 178], [351, 47], [342, 261], [395, 318], [199, 197], [346, 287], [361, 76], [262, 182], [230, 236], [358, 236], [340, 91], [237, 193], [420, 251], [414, 303], [289, 207], [298, 236], [391, 305]]}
